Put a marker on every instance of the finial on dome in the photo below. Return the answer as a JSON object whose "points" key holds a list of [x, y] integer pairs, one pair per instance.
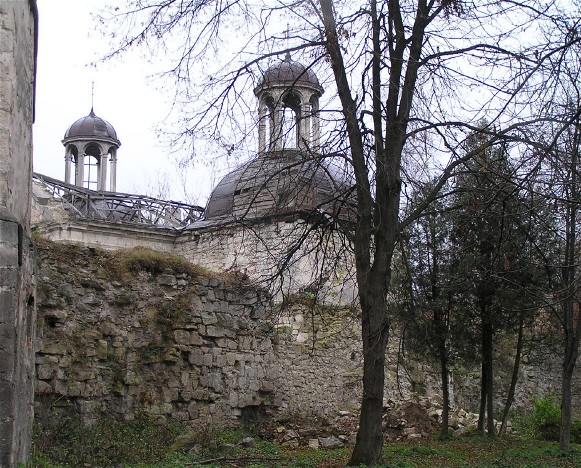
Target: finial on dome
{"points": [[287, 57]]}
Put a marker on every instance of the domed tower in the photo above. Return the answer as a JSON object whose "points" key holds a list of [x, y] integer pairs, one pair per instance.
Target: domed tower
{"points": [[288, 106], [90, 143], [287, 176]]}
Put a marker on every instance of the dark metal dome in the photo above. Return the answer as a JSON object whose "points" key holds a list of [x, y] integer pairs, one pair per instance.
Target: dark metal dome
{"points": [[277, 183], [289, 73], [91, 126]]}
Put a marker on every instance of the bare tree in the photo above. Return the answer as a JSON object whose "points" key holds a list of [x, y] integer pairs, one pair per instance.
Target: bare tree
{"points": [[400, 68]]}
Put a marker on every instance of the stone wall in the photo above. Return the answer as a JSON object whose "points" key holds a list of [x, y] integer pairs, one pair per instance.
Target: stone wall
{"points": [[316, 260], [125, 340], [259, 250], [17, 66], [127, 337], [200, 348]]}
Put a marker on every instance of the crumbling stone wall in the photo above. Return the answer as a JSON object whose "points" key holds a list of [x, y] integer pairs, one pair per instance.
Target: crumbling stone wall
{"points": [[207, 349], [195, 348], [17, 58], [170, 344]]}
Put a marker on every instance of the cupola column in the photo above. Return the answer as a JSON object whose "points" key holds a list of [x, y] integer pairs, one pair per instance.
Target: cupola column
{"points": [[102, 181], [277, 116], [113, 176], [315, 125], [263, 114], [304, 123], [68, 166], [79, 170]]}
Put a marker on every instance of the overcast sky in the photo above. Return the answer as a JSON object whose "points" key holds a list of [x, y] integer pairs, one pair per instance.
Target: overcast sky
{"points": [[124, 96]]}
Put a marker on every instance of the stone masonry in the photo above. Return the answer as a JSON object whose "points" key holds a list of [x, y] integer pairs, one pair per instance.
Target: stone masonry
{"points": [[17, 305], [129, 339]]}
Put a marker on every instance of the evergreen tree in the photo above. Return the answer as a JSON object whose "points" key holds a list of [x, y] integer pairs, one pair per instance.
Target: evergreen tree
{"points": [[491, 263]]}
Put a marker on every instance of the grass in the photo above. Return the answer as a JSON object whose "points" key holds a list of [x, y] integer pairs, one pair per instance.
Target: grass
{"points": [[144, 259], [146, 444]]}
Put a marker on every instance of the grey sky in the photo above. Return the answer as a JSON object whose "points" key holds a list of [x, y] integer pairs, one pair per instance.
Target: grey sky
{"points": [[68, 42]]}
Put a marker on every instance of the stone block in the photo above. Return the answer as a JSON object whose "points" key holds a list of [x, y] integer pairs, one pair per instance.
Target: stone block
{"points": [[213, 282], [42, 387], [208, 360], [266, 386], [8, 255], [102, 350], [196, 339], [75, 389], [85, 374], [220, 361], [53, 348], [330, 442], [215, 332], [8, 277], [8, 234], [193, 410], [166, 280], [231, 358], [182, 337], [93, 335], [313, 443], [169, 394], [196, 357], [215, 381], [196, 304], [180, 416], [46, 371], [56, 315]]}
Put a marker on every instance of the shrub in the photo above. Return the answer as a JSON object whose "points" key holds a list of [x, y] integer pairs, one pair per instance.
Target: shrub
{"points": [[107, 442], [546, 417]]}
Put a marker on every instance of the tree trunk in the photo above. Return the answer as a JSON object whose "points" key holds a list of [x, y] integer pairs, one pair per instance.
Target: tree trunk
{"points": [[483, 370], [369, 442], [445, 389], [483, 393], [489, 379], [569, 359], [565, 428], [571, 320], [514, 378]]}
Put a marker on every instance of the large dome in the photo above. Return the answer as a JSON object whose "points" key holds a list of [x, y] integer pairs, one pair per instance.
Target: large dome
{"points": [[289, 73], [277, 183], [91, 126]]}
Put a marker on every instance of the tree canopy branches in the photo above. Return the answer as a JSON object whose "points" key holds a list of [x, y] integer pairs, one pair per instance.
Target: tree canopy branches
{"points": [[408, 84]]}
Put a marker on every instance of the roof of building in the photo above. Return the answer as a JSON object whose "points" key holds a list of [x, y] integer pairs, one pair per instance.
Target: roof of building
{"points": [[91, 126], [289, 73], [278, 183]]}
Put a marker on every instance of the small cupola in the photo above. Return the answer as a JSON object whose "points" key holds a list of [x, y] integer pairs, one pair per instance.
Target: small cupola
{"points": [[91, 145], [288, 107]]}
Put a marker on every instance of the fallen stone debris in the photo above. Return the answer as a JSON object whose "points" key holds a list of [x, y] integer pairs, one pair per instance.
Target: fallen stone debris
{"points": [[413, 419]]}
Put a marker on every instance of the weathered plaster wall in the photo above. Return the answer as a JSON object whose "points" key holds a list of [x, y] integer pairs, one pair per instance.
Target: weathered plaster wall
{"points": [[17, 66], [261, 251]]}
